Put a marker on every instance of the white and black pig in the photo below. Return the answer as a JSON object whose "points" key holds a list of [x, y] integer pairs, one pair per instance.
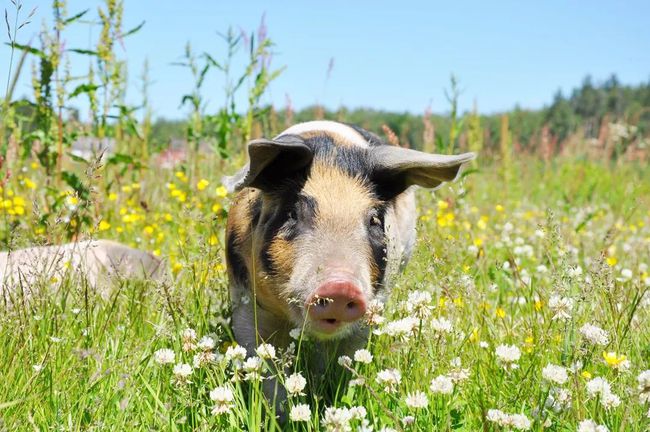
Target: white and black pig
{"points": [[323, 219]]}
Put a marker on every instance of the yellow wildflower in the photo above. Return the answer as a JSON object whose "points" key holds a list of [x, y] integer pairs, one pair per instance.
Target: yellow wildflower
{"points": [[221, 191], [202, 184], [613, 359], [103, 225]]}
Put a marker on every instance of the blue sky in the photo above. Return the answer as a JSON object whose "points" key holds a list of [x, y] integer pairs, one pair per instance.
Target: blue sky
{"points": [[395, 55]]}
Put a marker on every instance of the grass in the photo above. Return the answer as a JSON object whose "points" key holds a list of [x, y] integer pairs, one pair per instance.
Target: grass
{"points": [[491, 255]]}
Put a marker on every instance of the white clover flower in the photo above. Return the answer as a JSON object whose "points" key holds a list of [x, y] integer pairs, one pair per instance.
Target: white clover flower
{"points": [[363, 356], [561, 306], [416, 400], [497, 416], [575, 271], [591, 426], [558, 399], [408, 420], [223, 398], [206, 343], [203, 358], [236, 354], [644, 386], [515, 421], [295, 384], [182, 372], [509, 355], [594, 334], [554, 373], [403, 328], [164, 356], [520, 422], [484, 344], [37, 367], [357, 412], [419, 304], [598, 387], [300, 413], [626, 275], [442, 384], [336, 419], [345, 361], [610, 400], [266, 351], [357, 382], [188, 337], [441, 325], [253, 368], [374, 313], [295, 333], [390, 379]]}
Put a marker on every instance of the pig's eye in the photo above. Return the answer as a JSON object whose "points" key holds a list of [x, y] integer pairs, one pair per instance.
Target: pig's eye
{"points": [[291, 215], [375, 220]]}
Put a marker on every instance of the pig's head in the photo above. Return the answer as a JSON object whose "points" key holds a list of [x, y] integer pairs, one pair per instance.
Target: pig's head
{"points": [[323, 220]]}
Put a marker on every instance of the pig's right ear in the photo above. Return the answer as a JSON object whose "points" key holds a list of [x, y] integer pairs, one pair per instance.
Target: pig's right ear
{"points": [[269, 162]]}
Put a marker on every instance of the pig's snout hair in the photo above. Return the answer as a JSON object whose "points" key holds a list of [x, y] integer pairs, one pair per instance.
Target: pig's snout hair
{"points": [[337, 302]]}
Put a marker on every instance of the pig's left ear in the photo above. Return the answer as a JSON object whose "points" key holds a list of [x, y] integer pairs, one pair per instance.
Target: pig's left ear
{"points": [[401, 167], [270, 161]]}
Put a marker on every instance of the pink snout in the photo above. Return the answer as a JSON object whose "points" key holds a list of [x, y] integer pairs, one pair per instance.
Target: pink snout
{"points": [[336, 302]]}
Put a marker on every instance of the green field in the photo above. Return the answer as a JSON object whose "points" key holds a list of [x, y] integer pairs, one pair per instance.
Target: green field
{"points": [[525, 263], [526, 305]]}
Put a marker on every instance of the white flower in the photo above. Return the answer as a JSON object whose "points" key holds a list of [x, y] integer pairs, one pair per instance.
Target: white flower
{"points": [[575, 271], [594, 334], [223, 398], [337, 419], [644, 386], [558, 399], [441, 325], [357, 412], [300, 412], [182, 372], [554, 373], [357, 382], [295, 333], [561, 306], [516, 421], [598, 386], [508, 354], [416, 400], [37, 367], [408, 420], [591, 426], [164, 356], [236, 354], [389, 378], [497, 416], [206, 343], [403, 328], [203, 358], [363, 356], [442, 384], [520, 422], [295, 384], [266, 351], [253, 367], [419, 304], [626, 275], [373, 313], [345, 361], [610, 400], [188, 337]]}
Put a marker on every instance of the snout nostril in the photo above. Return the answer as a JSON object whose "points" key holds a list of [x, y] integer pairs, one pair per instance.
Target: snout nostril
{"points": [[331, 320], [351, 305]]}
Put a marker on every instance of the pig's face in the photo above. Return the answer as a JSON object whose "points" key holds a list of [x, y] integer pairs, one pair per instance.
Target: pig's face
{"points": [[321, 218], [325, 249]]}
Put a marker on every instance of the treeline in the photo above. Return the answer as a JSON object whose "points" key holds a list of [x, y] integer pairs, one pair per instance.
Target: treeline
{"points": [[584, 111]]}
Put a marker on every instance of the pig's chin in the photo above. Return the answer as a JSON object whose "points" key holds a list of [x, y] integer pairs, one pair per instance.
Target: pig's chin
{"points": [[329, 331]]}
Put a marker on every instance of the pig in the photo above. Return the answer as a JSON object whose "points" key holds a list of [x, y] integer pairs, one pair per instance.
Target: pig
{"points": [[95, 261], [323, 219]]}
